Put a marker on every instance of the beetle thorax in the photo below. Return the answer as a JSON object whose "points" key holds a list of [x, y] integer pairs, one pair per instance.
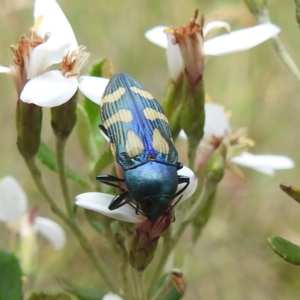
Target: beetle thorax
{"points": [[153, 186]]}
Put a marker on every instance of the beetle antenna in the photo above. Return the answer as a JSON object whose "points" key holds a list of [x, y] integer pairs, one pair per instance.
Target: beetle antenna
{"points": [[177, 201], [137, 210]]}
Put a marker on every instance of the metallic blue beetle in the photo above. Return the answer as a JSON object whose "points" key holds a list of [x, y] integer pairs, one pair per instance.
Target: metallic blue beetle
{"points": [[141, 142]]}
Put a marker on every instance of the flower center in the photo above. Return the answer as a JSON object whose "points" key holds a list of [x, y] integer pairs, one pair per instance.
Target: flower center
{"points": [[25, 46], [189, 30], [73, 61]]}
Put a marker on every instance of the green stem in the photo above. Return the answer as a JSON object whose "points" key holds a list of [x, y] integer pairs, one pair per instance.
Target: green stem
{"points": [[37, 177], [206, 191], [286, 58], [60, 151], [192, 152], [156, 274], [164, 289], [279, 47], [132, 286], [84, 242], [139, 285]]}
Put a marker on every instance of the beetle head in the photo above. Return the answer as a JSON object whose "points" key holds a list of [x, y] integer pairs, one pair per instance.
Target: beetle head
{"points": [[153, 186]]}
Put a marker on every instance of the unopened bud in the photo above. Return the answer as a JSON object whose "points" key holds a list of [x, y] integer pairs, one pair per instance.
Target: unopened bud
{"points": [[193, 114], [63, 118], [215, 167], [291, 191], [172, 105], [29, 124], [145, 239], [178, 281]]}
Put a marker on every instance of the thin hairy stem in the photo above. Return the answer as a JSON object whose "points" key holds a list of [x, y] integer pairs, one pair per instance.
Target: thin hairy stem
{"points": [[84, 242], [164, 255], [139, 285], [286, 58], [60, 153]]}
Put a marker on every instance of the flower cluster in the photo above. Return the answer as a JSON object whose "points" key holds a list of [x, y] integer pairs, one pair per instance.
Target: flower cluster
{"points": [[52, 41], [17, 218], [46, 72]]}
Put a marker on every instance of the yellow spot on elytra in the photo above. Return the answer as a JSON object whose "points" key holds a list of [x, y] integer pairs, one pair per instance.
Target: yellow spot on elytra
{"points": [[134, 145], [115, 96], [159, 143], [152, 114], [142, 93], [113, 149], [123, 115]]}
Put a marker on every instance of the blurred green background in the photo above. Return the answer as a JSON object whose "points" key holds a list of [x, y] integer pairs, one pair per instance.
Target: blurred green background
{"points": [[232, 260]]}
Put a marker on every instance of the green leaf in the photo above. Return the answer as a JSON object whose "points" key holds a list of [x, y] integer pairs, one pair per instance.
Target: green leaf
{"points": [[99, 69], [291, 191], [173, 295], [104, 161], [81, 293], [86, 140], [94, 219], [93, 112], [285, 249], [47, 157], [49, 296], [10, 277]]}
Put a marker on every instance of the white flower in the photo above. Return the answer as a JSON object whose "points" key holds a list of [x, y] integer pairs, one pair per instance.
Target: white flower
{"points": [[186, 48], [13, 211], [266, 164], [99, 202], [217, 127], [52, 42], [111, 296], [216, 122]]}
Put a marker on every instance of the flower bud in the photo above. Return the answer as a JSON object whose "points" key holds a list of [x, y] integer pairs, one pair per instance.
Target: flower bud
{"points": [[145, 239], [291, 191], [64, 118], [215, 167], [193, 115], [178, 281], [29, 123]]}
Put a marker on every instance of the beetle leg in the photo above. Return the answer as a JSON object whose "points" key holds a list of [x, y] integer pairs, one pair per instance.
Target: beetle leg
{"points": [[110, 180], [182, 179], [118, 201]]}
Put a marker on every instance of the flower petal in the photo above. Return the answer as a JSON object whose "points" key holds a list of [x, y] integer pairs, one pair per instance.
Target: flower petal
{"points": [[45, 55], [111, 296], [216, 121], [51, 231], [189, 191], [174, 59], [54, 22], [240, 40], [213, 26], [99, 202], [13, 201], [5, 70], [50, 20], [93, 87], [157, 36], [266, 164], [49, 89]]}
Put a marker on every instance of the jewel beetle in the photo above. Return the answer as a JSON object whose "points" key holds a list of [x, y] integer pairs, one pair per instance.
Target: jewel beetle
{"points": [[141, 142]]}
